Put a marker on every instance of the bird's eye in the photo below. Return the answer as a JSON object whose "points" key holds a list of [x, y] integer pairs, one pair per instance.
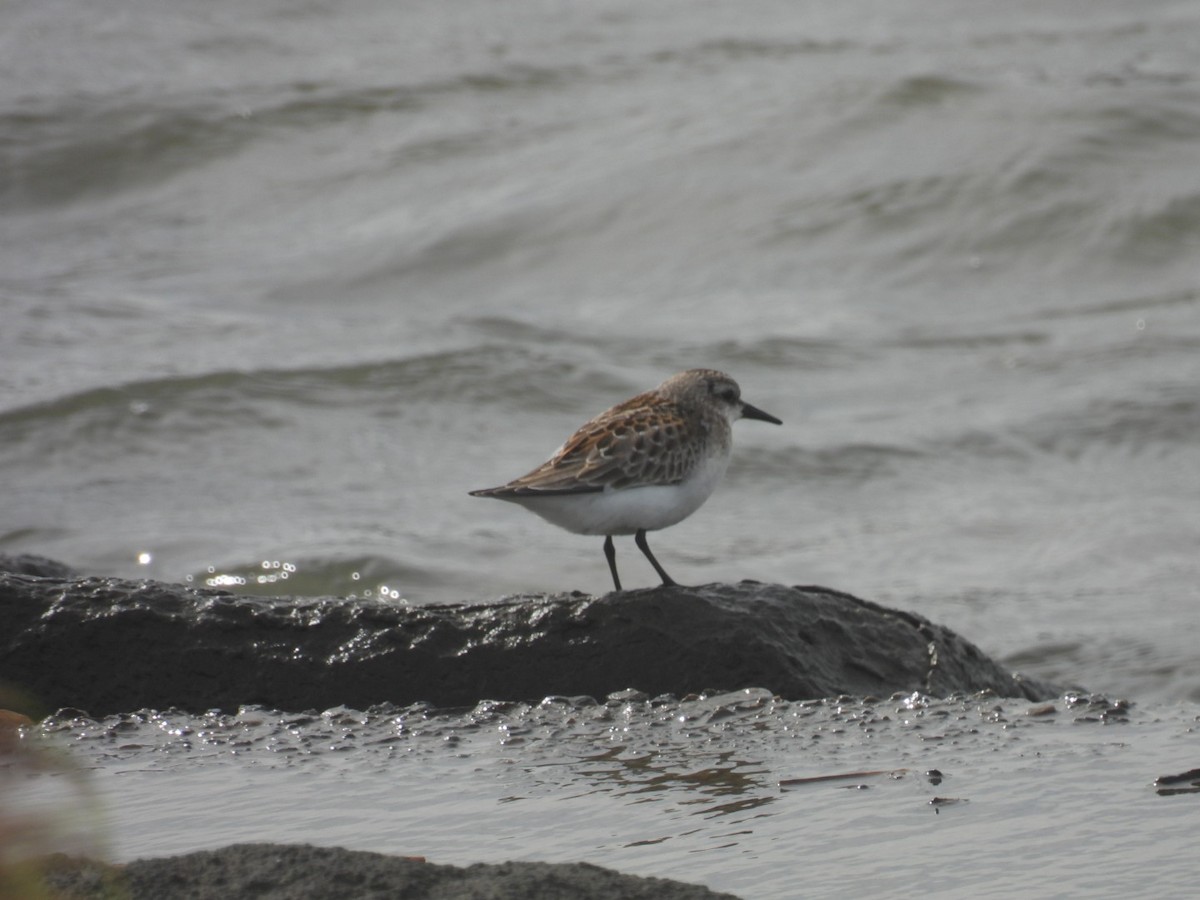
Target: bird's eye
{"points": [[726, 392]]}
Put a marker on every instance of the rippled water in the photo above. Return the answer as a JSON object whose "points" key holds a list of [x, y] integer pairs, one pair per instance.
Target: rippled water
{"points": [[742, 792], [281, 282]]}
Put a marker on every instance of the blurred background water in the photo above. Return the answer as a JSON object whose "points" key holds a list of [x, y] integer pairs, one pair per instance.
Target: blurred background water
{"points": [[281, 281]]}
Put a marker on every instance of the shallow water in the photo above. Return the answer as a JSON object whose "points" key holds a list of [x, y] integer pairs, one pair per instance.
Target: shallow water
{"points": [[742, 792], [281, 283]]}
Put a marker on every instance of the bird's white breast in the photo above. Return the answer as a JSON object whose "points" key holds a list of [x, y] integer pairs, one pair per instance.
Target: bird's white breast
{"points": [[627, 510]]}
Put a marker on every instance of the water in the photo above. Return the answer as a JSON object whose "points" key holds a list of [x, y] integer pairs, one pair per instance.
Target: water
{"points": [[282, 282], [742, 792]]}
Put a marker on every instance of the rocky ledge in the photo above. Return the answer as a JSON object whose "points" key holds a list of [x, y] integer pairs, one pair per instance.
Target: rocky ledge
{"points": [[108, 645], [303, 872]]}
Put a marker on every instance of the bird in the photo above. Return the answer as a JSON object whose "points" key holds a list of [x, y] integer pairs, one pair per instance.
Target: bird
{"points": [[642, 465]]}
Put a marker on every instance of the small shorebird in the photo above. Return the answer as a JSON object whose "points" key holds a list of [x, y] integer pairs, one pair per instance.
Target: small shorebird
{"points": [[643, 465]]}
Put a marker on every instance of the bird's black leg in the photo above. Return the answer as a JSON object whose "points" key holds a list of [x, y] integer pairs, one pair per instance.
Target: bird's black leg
{"points": [[610, 553], [640, 540]]}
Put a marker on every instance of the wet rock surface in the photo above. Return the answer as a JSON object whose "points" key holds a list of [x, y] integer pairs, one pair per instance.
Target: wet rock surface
{"points": [[108, 645], [29, 564], [303, 872]]}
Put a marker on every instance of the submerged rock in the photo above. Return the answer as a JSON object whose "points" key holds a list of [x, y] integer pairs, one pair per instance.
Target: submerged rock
{"points": [[109, 645], [303, 872]]}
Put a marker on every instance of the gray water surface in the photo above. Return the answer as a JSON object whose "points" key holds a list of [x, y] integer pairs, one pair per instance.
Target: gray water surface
{"points": [[743, 792], [281, 282]]}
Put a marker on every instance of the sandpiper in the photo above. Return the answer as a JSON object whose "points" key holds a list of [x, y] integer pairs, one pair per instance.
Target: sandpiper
{"points": [[643, 465]]}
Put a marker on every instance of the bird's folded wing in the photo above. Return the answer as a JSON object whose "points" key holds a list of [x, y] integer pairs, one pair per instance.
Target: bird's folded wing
{"points": [[620, 449]]}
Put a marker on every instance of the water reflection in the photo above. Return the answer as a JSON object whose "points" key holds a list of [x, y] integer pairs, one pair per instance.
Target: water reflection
{"points": [[657, 773]]}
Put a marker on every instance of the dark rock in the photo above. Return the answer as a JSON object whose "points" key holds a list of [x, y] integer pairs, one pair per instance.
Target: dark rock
{"points": [[28, 564], [108, 645], [303, 872]]}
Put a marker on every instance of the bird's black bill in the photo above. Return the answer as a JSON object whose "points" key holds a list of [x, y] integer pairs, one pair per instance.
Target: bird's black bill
{"points": [[753, 412]]}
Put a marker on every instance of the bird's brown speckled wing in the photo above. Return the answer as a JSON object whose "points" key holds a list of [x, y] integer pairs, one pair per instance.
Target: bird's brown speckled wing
{"points": [[643, 441]]}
